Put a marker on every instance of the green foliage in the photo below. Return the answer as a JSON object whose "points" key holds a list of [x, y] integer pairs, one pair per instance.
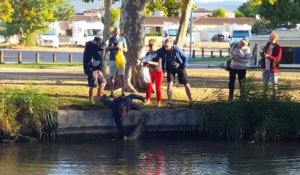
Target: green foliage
{"points": [[33, 16], [153, 34], [262, 27], [219, 12], [5, 11], [285, 12], [238, 14], [260, 114], [249, 9], [168, 7], [27, 112], [115, 16]]}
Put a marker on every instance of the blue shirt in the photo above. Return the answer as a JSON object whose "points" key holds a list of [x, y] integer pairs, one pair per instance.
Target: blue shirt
{"points": [[121, 41]]}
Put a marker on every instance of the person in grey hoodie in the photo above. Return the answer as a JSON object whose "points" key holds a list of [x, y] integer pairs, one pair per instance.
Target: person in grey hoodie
{"points": [[240, 55]]}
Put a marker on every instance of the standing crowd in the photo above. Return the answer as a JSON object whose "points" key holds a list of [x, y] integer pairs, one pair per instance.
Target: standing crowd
{"points": [[168, 60]]}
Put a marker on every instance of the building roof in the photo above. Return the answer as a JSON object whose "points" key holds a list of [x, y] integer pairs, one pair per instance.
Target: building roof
{"points": [[221, 21], [86, 18], [158, 21]]}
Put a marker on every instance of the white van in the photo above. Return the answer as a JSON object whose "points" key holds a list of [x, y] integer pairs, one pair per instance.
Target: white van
{"points": [[50, 37], [83, 32]]}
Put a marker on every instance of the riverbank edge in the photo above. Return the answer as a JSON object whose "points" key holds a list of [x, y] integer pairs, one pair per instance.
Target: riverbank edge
{"points": [[101, 124]]}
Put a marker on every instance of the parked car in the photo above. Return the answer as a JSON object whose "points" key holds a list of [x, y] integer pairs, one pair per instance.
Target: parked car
{"points": [[218, 38]]}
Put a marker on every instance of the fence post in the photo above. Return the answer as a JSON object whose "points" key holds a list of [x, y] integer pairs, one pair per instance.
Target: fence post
{"points": [[202, 52], [211, 53], [37, 58], [19, 57], [70, 58], [194, 53], [1, 57], [221, 55], [54, 57]]}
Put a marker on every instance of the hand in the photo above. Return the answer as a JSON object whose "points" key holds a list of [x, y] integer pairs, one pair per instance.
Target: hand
{"points": [[266, 55]]}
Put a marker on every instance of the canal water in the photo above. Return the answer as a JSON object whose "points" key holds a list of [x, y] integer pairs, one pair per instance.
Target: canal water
{"points": [[150, 157]]}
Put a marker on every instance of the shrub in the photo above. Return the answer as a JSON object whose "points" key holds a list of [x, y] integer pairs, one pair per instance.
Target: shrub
{"points": [[33, 114], [260, 113]]}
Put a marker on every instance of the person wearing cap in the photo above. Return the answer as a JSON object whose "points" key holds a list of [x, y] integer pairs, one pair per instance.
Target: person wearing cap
{"points": [[156, 73], [116, 43], [92, 64], [240, 55], [272, 53], [120, 107]]}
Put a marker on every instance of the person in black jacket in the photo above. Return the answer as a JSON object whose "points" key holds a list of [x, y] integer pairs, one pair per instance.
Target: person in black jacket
{"points": [[92, 64], [120, 107]]}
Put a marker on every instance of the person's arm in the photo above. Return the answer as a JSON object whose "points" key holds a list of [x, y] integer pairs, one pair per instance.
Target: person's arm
{"points": [[138, 97], [276, 57], [149, 57], [106, 101], [110, 46], [182, 55]]}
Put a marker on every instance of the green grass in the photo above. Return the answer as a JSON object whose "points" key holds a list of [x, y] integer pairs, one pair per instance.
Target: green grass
{"points": [[198, 59], [41, 65]]}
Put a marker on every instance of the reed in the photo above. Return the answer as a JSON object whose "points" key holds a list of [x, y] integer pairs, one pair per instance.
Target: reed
{"points": [[27, 112], [259, 113]]}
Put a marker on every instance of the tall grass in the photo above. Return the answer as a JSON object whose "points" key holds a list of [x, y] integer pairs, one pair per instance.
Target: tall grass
{"points": [[27, 112], [259, 113]]}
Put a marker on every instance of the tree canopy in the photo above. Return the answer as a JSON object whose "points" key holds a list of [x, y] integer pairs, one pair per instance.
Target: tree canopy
{"points": [[33, 16], [277, 12], [219, 12], [249, 9], [6, 11]]}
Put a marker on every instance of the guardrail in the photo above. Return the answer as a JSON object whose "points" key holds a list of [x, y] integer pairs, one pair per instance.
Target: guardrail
{"points": [[203, 52], [209, 52], [37, 57]]}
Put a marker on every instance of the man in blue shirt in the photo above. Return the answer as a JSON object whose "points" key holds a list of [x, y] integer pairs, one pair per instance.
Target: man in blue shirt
{"points": [[116, 43], [174, 62]]}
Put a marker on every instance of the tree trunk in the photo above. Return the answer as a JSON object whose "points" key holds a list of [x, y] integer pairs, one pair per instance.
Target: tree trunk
{"points": [[132, 25], [184, 21], [106, 31]]}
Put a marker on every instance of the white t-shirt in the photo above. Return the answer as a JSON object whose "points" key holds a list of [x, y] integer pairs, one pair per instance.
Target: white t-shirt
{"points": [[268, 62]]}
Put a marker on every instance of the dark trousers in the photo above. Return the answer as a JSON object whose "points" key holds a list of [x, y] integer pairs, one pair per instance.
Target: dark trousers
{"points": [[232, 74]]}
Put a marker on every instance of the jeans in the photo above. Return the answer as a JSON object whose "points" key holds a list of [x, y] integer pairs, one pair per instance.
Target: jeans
{"points": [[268, 76], [232, 75]]}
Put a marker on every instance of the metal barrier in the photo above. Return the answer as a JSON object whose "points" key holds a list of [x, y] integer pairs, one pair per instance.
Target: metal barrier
{"points": [[20, 57]]}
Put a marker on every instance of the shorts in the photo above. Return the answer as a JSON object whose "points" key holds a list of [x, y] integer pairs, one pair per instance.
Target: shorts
{"points": [[101, 80], [113, 71], [181, 75]]}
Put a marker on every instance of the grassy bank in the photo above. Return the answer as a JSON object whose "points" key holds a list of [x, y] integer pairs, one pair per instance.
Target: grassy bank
{"points": [[26, 112], [259, 114]]}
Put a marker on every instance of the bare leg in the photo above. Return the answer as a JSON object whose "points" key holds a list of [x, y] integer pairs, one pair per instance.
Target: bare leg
{"points": [[123, 84], [112, 85], [91, 95], [169, 92], [188, 92]]}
